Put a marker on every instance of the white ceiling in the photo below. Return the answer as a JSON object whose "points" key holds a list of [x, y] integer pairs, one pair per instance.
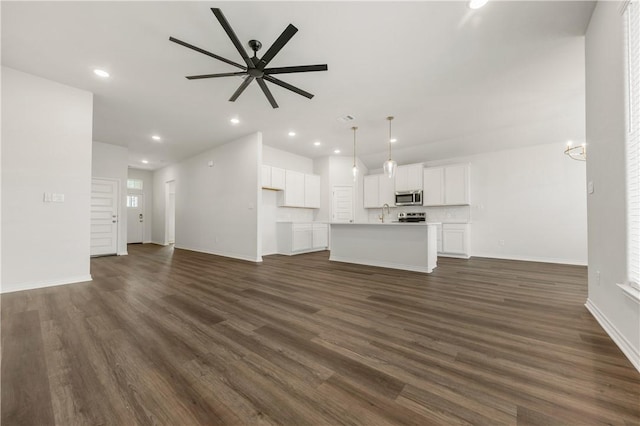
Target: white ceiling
{"points": [[458, 81]]}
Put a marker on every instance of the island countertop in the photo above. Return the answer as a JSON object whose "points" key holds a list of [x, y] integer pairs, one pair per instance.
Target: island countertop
{"points": [[407, 246]]}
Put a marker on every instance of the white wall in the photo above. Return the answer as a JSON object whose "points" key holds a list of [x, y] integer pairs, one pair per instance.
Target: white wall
{"points": [[46, 147], [147, 191], [534, 200], [606, 132], [110, 161], [217, 208]]}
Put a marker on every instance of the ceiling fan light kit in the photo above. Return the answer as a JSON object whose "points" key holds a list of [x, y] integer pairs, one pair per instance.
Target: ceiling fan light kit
{"points": [[255, 68]]}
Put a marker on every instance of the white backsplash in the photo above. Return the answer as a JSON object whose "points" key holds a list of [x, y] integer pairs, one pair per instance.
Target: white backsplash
{"points": [[445, 214], [291, 214]]}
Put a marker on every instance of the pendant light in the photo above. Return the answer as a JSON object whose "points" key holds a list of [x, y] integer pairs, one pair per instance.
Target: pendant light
{"points": [[390, 166], [354, 170]]}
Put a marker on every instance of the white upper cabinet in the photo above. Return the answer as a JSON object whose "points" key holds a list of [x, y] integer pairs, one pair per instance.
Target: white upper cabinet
{"points": [[371, 191], [378, 191], [300, 190], [446, 186], [294, 189], [409, 177], [456, 184], [273, 177], [312, 191], [433, 192]]}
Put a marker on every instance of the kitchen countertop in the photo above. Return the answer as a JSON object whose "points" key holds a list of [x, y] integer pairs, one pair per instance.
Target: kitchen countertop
{"points": [[387, 223]]}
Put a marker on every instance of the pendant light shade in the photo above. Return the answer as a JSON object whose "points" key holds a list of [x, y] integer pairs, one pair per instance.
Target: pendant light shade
{"points": [[354, 170], [390, 166]]}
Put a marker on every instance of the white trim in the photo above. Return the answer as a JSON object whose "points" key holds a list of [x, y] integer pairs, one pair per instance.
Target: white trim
{"points": [[457, 256], [531, 259], [31, 285], [158, 243], [122, 253], [623, 6], [618, 338], [630, 292], [382, 264], [294, 253], [223, 254]]}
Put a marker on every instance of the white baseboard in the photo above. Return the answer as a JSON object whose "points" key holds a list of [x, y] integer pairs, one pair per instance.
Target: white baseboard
{"points": [[122, 253], [31, 285], [531, 258], [240, 256], [618, 338], [381, 264], [159, 244]]}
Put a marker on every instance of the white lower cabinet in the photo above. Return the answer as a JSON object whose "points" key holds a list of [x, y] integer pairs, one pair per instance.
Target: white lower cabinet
{"points": [[454, 240], [302, 237]]}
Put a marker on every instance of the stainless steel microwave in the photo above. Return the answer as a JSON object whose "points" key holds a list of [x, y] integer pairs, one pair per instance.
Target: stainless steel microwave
{"points": [[408, 198]]}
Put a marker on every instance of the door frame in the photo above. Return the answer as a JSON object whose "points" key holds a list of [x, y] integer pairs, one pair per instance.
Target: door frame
{"points": [[166, 212]]}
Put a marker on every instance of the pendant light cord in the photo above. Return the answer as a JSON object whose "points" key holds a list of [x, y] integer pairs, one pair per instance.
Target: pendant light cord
{"points": [[389, 118]]}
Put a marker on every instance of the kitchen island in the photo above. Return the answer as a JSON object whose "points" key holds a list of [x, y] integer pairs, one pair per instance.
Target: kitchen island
{"points": [[408, 246]]}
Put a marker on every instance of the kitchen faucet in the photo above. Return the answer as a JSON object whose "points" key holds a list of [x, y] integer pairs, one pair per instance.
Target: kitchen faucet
{"points": [[381, 217]]}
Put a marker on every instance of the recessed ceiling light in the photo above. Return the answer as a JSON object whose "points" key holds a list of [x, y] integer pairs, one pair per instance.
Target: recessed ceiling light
{"points": [[101, 73], [336, 151], [477, 4], [292, 133], [145, 161], [316, 143], [393, 140], [155, 137], [235, 120]]}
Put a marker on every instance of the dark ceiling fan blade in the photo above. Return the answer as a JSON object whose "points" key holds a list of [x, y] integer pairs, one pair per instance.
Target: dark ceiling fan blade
{"points": [[232, 35], [276, 46], [267, 92], [287, 86], [224, 74], [243, 86], [301, 68], [213, 55]]}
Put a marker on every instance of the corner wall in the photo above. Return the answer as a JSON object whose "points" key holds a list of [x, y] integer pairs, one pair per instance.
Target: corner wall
{"points": [[606, 133], [46, 148], [217, 208]]}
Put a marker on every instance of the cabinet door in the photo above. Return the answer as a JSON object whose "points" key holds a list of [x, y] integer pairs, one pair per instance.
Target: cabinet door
{"points": [[402, 179], [277, 178], [266, 176], [455, 239], [371, 189], [387, 193], [320, 235], [456, 185], [302, 237], [294, 189], [414, 177], [433, 194], [312, 191]]}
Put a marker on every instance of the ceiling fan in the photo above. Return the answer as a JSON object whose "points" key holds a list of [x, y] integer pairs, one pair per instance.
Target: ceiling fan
{"points": [[256, 68]]}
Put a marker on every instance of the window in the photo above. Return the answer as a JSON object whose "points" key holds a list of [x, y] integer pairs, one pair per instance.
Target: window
{"points": [[632, 15], [132, 201], [134, 184]]}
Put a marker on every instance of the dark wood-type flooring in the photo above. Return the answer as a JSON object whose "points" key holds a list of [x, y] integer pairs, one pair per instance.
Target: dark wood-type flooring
{"points": [[175, 337]]}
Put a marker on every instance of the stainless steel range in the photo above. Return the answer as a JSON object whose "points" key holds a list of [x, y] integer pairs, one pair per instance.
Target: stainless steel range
{"points": [[412, 217]]}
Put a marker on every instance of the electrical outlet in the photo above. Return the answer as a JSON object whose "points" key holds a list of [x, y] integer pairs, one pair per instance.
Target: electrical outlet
{"points": [[501, 242]]}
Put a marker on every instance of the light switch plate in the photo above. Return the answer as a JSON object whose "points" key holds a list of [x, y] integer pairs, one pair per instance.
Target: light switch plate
{"points": [[590, 188], [57, 198]]}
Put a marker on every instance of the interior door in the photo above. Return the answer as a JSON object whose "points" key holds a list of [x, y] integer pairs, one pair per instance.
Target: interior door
{"points": [[342, 204], [135, 218], [104, 217]]}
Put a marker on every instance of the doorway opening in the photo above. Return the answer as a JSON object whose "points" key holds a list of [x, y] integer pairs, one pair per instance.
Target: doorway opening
{"points": [[135, 218]]}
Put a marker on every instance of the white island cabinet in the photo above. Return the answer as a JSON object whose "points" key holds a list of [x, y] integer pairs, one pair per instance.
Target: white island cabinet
{"points": [[407, 246]]}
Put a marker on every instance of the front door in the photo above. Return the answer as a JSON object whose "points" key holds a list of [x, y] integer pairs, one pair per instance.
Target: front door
{"points": [[104, 217], [135, 218], [342, 204]]}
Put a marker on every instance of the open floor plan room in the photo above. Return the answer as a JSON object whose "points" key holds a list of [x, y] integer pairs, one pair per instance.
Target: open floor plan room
{"points": [[166, 336]]}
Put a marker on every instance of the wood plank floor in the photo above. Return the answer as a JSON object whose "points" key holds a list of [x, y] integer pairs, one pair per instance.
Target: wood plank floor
{"points": [[175, 337]]}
